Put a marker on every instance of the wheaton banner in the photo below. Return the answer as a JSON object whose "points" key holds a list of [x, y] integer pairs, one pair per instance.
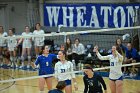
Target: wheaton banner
{"points": [[91, 15]]}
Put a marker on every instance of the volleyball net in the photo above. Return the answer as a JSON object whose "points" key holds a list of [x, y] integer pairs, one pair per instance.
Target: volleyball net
{"points": [[104, 38]]}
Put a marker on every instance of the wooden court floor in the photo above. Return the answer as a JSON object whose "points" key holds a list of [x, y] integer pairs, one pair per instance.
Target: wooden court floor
{"points": [[31, 86]]}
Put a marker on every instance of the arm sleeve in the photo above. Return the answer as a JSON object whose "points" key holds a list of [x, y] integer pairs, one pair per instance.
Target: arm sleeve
{"points": [[86, 85], [15, 42], [120, 57], [56, 71], [102, 57], [43, 37], [54, 56], [102, 82]]}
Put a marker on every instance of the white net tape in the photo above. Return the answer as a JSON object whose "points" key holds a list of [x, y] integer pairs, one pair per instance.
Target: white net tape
{"points": [[74, 33]]}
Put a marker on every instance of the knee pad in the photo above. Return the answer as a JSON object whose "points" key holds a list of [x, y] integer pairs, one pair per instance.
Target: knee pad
{"points": [[11, 58], [29, 57]]}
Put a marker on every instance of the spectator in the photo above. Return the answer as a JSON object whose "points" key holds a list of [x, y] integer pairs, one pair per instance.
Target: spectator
{"points": [[62, 47], [12, 43], [26, 47], [120, 47], [69, 49], [38, 41], [131, 57], [2, 45], [78, 51]]}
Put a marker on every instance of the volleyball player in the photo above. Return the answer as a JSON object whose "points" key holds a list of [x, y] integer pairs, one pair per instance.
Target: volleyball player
{"points": [[12, 43], [38, 41], [26, 46], [60, 86], [45, 67], [115, 76], [93, 82], [64, 66], [2, 44]]}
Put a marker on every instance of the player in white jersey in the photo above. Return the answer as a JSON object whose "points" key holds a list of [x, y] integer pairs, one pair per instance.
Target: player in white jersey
{"points": [[12, 44], [26, 46], [115, 76], [64, 66], [38, 40], [2, 44]]}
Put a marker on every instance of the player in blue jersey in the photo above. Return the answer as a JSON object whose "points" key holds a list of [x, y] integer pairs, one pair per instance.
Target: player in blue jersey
{"points": [[45, 67]]}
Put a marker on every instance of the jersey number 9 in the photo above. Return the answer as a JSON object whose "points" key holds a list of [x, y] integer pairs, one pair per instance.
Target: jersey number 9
{"points": [[47, 64]]}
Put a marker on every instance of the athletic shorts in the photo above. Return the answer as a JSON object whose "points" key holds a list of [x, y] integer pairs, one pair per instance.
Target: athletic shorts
{"points": [[68, 82], [121, 78], [43, 72]]}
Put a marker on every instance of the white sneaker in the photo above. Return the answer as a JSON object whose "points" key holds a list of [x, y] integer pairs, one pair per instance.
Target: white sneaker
{"points": [[16, 66], [12, 65], [133, 75], [8, 65], [21, 67], [1, 64]]}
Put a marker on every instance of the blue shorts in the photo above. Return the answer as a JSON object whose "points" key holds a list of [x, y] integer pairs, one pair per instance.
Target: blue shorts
{"points": [[43, 72], [68, 82], [121, 78]]}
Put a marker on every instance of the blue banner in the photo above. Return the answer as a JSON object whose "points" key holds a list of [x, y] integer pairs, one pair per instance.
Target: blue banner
{"points": [[91, 15]]}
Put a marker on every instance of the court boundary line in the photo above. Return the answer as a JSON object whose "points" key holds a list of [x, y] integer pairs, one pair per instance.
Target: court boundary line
{"points": [[9, 85]]}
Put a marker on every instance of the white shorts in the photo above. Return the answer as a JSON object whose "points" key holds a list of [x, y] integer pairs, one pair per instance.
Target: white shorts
{"points": [[26, 45], [2, 44], [11, 48], [37, 43]]}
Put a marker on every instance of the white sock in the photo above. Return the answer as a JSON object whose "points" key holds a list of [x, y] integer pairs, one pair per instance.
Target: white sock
{"points": [[11, 58], [14, 59], [22, 58], [29, 60]]}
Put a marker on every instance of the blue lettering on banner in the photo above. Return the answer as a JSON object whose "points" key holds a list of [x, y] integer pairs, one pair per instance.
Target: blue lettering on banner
{"points": [[91, 15]]}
